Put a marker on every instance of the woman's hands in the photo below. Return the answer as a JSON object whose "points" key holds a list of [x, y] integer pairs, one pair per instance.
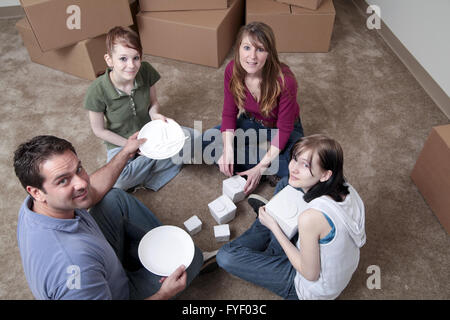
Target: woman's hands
{"points": [[226, 162], [253, 177]]}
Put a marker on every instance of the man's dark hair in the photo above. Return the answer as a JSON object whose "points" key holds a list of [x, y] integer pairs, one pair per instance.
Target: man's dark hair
{"points": [[29, 156]]}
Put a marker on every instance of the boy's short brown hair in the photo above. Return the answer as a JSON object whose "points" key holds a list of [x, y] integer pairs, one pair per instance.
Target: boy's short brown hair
{"points": [[124, 36]]}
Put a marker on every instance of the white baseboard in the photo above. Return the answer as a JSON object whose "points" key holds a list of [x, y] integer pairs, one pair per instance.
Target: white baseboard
{"points": [[432, 88]]}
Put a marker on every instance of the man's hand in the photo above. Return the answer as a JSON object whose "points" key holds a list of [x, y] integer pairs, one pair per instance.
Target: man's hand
{"points": [[171, 285], [132, 145], [104, 178]]}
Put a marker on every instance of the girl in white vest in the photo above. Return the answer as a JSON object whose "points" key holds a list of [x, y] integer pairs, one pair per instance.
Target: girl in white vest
{"points": [[320, 260]]}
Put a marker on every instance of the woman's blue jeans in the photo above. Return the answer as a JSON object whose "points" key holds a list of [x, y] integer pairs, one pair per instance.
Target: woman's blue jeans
{"points": [[124, 220], [248, 151]]}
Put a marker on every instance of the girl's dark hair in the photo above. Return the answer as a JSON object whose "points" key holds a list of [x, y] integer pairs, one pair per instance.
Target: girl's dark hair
{"points": [[330, 157], [29, 156]]}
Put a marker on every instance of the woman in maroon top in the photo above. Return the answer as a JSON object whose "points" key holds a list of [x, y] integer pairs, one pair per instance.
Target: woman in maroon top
{"points": [[260, 97]]}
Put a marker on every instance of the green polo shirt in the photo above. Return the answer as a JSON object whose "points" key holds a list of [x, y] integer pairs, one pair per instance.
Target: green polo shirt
{"points": [[124, 114]]}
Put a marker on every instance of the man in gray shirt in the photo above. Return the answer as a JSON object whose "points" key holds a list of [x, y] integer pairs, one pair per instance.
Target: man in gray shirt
{"points": [[70, 253]]}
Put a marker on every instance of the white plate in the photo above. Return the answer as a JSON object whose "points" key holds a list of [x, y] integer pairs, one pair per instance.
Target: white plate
{"points": [[163, 249], [164, 139]]}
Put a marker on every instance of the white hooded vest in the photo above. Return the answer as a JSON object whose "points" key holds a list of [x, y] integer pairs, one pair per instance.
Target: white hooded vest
{"points": [[338, 258]]}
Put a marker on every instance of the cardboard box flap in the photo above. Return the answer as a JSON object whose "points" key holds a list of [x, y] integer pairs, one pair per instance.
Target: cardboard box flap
{"points": [[31, 2], [326, 7], [444, 133], [193, 18], [210, 19], [182, 5], [267, 6], [308, 4]]}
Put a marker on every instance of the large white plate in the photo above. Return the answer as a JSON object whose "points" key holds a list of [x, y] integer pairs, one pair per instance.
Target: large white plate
{"points": [[164, 139], [163, 249]]}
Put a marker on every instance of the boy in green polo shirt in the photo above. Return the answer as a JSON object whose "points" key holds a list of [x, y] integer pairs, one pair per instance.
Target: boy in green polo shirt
{"points": [[121, 102]]}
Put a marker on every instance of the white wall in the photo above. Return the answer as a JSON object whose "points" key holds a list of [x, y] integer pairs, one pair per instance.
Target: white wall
{"points": [[423, 27], [9, 3]]}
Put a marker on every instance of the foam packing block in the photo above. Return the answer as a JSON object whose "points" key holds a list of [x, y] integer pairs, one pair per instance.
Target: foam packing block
{"points": [[193, 225], [222, 232], [285, 207], [222, 209], [233, 188]]}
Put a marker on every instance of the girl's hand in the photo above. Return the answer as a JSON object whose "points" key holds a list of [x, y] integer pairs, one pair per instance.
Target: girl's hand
{"points": [[159, 116], [266, 219]]}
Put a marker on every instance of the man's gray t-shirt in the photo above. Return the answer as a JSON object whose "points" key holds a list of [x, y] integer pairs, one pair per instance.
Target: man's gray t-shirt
{"points": [[68, 258]]}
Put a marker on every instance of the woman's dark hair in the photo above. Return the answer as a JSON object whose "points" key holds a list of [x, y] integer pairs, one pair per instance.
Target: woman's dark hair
{"points": [[30, 155], [330, 157]]}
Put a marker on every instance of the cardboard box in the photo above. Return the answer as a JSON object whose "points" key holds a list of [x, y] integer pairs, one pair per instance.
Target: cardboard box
{"points": [[203, 37], [431, 173], [60, 23], [296, 29], [84, 60], [308, 4], [180, 5], [285, 207]]}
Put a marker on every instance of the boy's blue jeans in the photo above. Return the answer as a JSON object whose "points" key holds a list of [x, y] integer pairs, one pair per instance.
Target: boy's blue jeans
{"points": [[124, 220]]}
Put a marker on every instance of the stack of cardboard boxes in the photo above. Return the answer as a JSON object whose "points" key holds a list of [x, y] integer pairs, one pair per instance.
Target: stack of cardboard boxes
{"points": [[196, 31], [203, 31], [69, 35], [299, 25]]}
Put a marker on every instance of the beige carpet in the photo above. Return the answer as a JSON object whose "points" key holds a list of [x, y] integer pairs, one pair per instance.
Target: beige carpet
{"points": [[358, 93]]}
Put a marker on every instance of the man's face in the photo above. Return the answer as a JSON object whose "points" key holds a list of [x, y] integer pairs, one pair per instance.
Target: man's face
{"points": [[66, 185]]}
